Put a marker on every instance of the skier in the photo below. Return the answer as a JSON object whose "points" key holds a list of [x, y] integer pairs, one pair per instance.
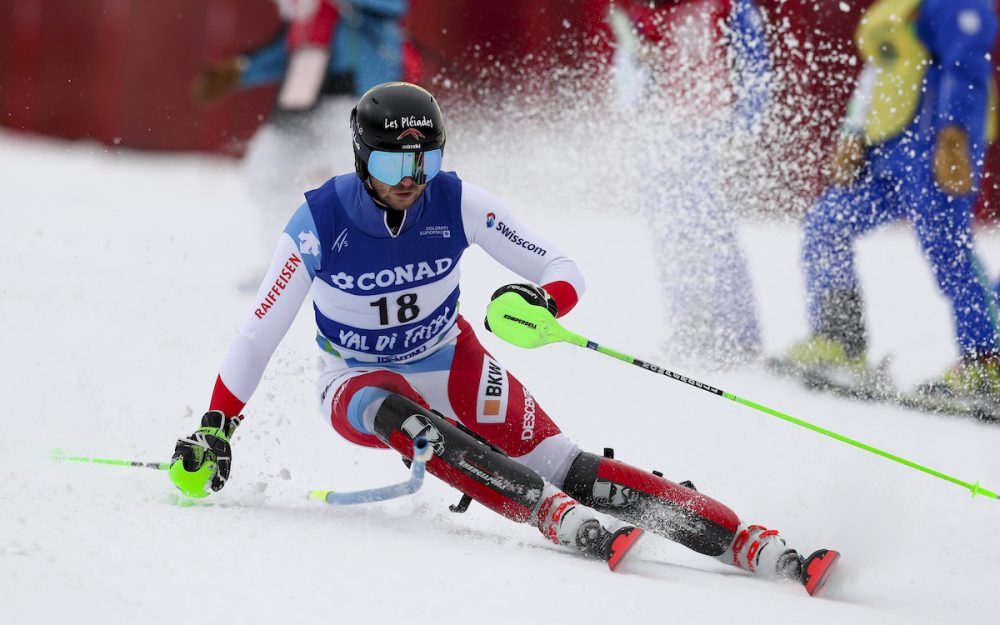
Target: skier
{"points": [[326, 55], [699, 72], [911, 146], [379, 251]]}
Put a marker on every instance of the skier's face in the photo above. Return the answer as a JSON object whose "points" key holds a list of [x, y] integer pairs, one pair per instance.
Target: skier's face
{"points": [[400, 196]]}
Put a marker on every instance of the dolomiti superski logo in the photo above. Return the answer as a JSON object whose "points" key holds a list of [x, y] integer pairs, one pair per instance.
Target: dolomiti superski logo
{"points": [[443, 232]]}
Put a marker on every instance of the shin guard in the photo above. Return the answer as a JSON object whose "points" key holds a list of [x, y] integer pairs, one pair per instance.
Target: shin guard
{"points": [[649, 501], [471, 466]]}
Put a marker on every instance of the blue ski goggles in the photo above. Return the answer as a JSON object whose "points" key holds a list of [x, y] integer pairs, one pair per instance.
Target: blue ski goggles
{"points": [[391, 167]]}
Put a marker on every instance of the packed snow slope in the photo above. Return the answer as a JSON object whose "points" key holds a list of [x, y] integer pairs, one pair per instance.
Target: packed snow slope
{"points": [[119, 298]]}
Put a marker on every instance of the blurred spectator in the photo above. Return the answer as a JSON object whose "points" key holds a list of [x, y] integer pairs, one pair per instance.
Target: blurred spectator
{"points": [[327, 53], [911, 146], [693, 77]]}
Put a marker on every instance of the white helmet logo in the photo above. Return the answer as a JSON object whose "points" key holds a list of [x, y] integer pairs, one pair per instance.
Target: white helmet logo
{"points": [[419, 425]]}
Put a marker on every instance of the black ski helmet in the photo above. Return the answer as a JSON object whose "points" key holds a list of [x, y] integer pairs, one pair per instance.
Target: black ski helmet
{"points": [[395, 117]]}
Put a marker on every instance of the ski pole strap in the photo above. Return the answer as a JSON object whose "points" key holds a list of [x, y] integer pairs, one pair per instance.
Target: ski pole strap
{"points": [[58, 455], [549, 330]]}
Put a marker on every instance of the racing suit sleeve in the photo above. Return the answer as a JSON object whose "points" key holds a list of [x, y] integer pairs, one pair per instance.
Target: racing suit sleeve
{"points": [[962, 34], [491, 225], [284, 288]]}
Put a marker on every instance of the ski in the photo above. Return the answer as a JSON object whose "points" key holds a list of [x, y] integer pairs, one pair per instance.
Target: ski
{"points": [[870, 385], [816, 570], [621, 543], [876, 386], [978, 408]]}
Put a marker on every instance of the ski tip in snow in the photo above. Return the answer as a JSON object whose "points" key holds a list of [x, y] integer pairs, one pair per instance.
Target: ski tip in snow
{"points": [[621, 542], [817, 569]]}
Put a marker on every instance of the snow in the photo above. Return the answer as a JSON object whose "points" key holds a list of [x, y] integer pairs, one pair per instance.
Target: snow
{"points": [[119, 300]]}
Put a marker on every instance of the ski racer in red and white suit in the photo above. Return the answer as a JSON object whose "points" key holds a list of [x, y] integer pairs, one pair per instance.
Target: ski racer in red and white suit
{"points": [[435, 356], [381, 263]]}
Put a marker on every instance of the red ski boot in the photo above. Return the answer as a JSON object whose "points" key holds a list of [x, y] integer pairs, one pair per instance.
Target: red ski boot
{"points": [[763, 552]]}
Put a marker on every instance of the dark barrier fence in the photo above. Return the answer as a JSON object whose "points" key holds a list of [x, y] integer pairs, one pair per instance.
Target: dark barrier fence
{"points": [[119, 71]]}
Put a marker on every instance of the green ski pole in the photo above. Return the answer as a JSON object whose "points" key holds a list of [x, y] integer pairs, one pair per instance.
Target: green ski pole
{"points": [[59, 456], [516, 321]]}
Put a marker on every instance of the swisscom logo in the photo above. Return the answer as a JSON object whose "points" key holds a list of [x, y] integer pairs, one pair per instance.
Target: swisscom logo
{"points": [[491, 218]]}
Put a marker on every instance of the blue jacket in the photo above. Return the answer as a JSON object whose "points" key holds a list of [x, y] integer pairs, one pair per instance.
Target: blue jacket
{"points": [[366, 43], [959, 35]]}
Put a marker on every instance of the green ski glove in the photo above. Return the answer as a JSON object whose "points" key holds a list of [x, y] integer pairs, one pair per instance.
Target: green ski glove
{"points": [[525, 315], [202, 461]]}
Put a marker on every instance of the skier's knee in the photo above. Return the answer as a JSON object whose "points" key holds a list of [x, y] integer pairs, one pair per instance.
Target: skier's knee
{"points": [[460, 460], [651, 501], [363, 407], [356, 402]]}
